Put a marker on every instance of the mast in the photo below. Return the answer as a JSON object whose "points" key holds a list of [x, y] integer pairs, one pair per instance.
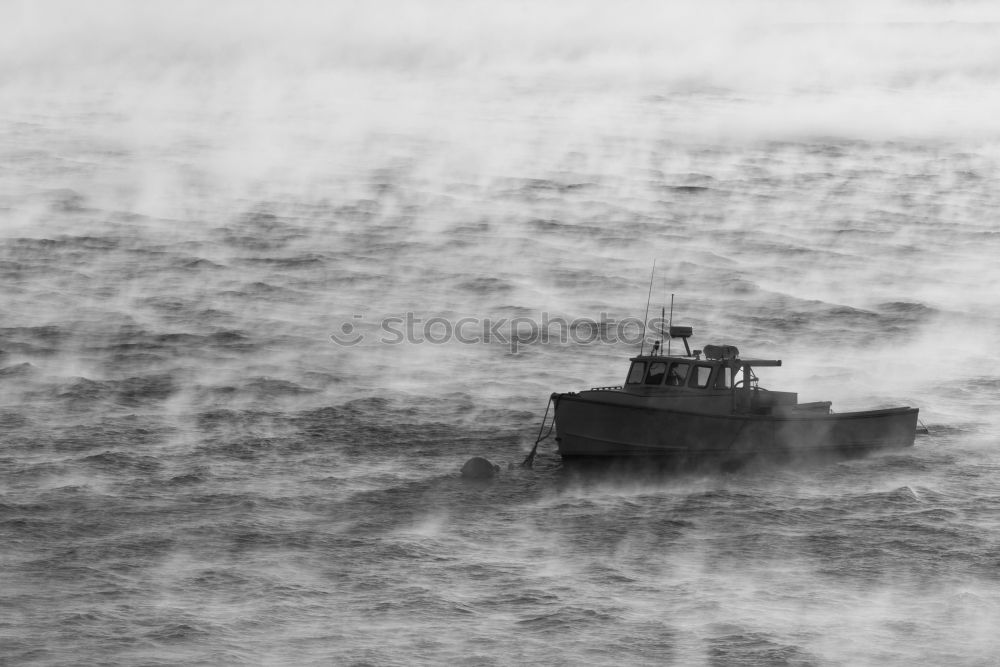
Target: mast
{"points": [[670, 323], [660, 343], [645, 317]]}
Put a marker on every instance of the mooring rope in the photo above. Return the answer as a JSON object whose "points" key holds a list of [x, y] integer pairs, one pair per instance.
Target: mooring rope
{"points": [[530, 458]]}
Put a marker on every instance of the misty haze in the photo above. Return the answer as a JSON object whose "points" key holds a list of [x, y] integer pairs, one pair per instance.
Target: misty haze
{"points": [[202, 204]]}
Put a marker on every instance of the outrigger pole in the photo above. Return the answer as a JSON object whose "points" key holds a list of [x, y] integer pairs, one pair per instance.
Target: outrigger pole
{"points": [[645, 317]]}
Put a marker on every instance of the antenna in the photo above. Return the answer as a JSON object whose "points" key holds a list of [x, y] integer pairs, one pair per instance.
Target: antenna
{"points": [[660, 344], [646, 316], [670, 323]]}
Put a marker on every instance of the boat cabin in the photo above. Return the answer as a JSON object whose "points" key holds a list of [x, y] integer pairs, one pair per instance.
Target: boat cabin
{"points": [[721, 377], [660, 371]]}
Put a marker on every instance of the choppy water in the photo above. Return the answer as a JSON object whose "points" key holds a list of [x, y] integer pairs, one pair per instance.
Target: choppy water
{"points": [[191, 471]]}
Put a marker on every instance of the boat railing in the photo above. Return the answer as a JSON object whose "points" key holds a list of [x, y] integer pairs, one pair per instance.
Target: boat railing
{"points": [[615, 388]]}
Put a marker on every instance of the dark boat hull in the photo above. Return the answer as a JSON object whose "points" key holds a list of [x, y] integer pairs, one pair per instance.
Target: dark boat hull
{"points": [[597, 425]]}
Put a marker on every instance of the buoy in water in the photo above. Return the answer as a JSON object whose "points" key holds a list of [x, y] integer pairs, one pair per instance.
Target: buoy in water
{"points": [[479, 468]]}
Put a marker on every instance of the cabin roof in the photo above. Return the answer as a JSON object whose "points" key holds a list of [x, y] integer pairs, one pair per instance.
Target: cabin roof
{"points": [[701, 360]]}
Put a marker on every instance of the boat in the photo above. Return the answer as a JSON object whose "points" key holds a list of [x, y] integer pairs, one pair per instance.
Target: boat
{"points": [[708, 405]]}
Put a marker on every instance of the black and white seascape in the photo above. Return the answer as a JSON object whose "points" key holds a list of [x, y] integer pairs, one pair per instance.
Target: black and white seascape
{"points": [[272, 272]]}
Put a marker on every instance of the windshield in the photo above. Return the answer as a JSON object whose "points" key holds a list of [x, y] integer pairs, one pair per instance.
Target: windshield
{"points": [[636, 373], [656, 371], [678, 374]]}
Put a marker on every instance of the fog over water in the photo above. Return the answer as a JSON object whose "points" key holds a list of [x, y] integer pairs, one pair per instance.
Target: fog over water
{"points": [[195, 196]]}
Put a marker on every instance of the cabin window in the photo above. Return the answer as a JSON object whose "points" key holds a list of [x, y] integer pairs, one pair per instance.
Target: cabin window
{"points": [[701, 376], [657, 370], [724, 380], [636, 372], [678, 374]]}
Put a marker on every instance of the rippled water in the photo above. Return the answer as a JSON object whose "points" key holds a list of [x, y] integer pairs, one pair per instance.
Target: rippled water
{"points": [[191, 470]]}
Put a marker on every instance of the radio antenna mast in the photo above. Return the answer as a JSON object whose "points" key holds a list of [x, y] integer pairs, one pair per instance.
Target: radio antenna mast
{"points": [[670, 324], [662, 314], [645, 317]]}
